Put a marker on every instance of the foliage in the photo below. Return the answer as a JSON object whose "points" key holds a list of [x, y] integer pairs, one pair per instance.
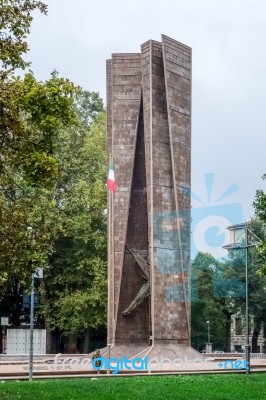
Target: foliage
{"points": [[207, 304], [74, 288], [256, 280], [219, 291], [16, 18], [33, 113], [52, 174], [260, 211]]}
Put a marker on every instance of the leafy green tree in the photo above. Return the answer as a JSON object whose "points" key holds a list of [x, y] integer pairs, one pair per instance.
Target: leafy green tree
{"points": [[30, 125], [31, 116], [256, 281], [52, 173], [16, 18], [74, 288], [260, 212], [206, 306], [218, 292]]}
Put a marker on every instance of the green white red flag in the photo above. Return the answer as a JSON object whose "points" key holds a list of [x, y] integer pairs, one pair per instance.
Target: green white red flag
{"points": [[111, 185]]}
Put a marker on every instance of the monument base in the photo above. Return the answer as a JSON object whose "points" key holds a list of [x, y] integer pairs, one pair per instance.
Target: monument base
{"points": [[157, 351], [160, 357]]}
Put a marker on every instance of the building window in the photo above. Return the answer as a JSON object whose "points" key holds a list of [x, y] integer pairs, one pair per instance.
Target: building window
{"points": [[238, 348]]}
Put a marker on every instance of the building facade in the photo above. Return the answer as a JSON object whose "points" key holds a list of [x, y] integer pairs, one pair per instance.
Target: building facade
{"points": [[238, 335]]}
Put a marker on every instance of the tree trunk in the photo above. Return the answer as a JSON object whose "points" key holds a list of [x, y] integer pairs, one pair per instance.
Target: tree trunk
{"points": [[49, 342], [254, 341], [71, 347], [228, 333], [53, 341], [86, 342], [1, 340], [14, 292]]}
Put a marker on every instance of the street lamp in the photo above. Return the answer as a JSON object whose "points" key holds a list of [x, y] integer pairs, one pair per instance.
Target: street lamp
{"points": [[209, 350], [208, 323], [30, 230], [239, 235]]}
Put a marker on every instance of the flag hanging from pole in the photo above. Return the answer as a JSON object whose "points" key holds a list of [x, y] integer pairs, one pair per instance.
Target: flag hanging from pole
{"points": [[111, 185]]}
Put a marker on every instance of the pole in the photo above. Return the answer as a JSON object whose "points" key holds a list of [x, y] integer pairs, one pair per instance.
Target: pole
{"points": [[110, 279], [247, 354], [151, 244], [113, 268], [5, 339], [109, 322], [108, 357], [209, 337], [31, 327]]}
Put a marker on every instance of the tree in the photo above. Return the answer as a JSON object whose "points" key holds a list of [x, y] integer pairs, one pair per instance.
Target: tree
{"points": [[31, 115], [205, 305], [256, 281], [260, 212], [15, 24], [74, 288], [52, 174], [215, 294], [69, 223], [219, 291]]}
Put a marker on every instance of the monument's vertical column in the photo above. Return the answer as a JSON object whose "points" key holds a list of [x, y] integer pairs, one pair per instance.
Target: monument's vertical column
{"points": [[146, 69], [168, 205], [177, 71], [125, 109], [133, 309]]}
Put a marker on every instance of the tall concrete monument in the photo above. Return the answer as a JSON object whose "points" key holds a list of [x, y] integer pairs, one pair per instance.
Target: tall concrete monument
{"points": [[149, 142]]}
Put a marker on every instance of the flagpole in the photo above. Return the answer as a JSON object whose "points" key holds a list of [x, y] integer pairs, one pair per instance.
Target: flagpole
{"points": [[113, 265], [111, 258], [109, 313]]}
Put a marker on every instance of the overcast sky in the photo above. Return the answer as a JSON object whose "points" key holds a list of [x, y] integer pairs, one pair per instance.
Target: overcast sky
{"points": [[229, 74]]}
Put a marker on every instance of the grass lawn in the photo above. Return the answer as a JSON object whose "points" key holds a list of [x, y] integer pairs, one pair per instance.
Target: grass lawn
{"points": [[197, 387]]}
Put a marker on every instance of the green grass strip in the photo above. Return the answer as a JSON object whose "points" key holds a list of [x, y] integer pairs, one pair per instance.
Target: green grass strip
{"points": [[182, 387]]}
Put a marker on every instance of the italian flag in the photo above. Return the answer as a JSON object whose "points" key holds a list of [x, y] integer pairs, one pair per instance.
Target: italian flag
{"points": [[111, 178]]}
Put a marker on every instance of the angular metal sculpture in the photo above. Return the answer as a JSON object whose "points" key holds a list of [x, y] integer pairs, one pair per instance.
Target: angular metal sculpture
{"points": [[149, 140]]}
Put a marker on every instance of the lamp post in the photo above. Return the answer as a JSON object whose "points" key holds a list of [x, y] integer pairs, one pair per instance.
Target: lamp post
{"points": [[208, 323], [31, 327], [239, 240], [247, 347], [30, 230], [208, 350]]}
